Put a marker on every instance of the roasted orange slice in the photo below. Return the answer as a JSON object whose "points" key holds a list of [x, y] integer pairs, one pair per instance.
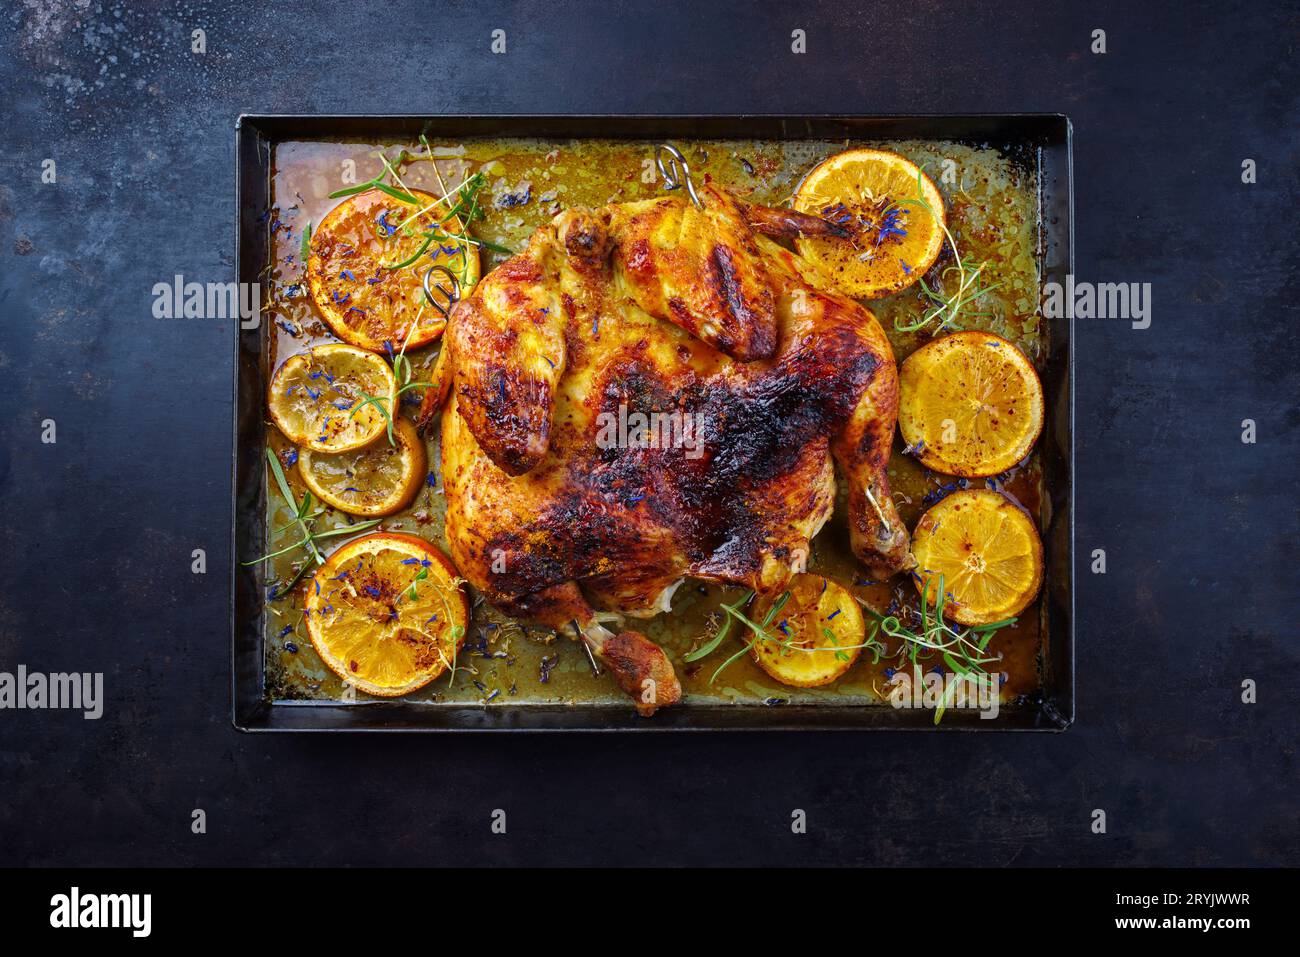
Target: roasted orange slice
{"points": [[367, 262], [892, 211], [816, 633], [970, 404], [318, 399], [987, 552], [387, 613], [376, 480]]}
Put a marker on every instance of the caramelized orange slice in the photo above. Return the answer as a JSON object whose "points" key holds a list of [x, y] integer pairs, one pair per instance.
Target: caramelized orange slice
{"points": [[988, 552], [387, 613], [376, 480], [877, 196], [318, 399], [970, 404], [367, 264], [815, 636]]}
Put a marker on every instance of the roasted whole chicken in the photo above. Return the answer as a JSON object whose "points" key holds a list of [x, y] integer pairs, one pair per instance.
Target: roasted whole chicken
{"points": [[654, 391]]}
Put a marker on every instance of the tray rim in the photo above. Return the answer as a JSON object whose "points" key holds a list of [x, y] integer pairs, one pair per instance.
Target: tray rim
{"points": [[250, 711]]}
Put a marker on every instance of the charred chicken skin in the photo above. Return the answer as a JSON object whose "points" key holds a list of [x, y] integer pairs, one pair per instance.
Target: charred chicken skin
{"points": [[653, 391]]}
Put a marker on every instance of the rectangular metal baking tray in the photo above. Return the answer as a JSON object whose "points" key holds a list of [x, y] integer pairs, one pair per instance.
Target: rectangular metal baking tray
{"points": [[1047, 135]]}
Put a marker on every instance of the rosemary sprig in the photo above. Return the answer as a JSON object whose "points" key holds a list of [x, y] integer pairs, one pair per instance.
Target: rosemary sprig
{"points": [[466, 205], [711, 645], [378, 402], [490, 246], [457, 632], [402, 368], [871, 643], [477, 181], [473, 212], [303, 569], [963, 650], [969, 288], [465, 209], [402, 372], [762, 633], [733, 611], [376, 183], [305, 519], [393, 173], [300, 513], [428, 240]]}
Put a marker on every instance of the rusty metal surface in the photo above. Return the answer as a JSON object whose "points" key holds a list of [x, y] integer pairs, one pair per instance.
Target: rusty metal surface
{"points": [[1199, 528]]}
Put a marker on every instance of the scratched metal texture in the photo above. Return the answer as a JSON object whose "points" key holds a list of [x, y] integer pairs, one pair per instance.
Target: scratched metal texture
{"points": [[1200, 529]]}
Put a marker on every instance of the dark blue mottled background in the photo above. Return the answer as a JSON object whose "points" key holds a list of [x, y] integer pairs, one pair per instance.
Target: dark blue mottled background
{"points": [[97, 530]]}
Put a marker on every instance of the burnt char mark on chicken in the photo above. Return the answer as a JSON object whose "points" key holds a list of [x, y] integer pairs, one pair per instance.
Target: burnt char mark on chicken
{"points": [[575, 539], [744, 315], [751, 434], [755, 432], [520, 410], [753, 437], [536, 562]]}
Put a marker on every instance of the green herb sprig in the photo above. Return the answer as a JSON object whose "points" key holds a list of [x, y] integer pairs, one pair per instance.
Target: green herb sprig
{"points": [[762, 633], [711, 645], [457, 632], [379, 184], [411, 592], [946, 309], [304, 517], [402, 372], [963, 650], [758, 629], [733, 612]]}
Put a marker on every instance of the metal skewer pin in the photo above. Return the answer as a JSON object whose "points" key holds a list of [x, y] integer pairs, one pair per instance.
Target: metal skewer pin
{"points": [[451, 295], [586, 646], [675, 171]]}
